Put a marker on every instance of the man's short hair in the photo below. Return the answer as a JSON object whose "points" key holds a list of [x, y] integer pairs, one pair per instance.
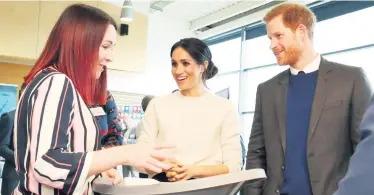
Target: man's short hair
{"points": [[293, 14], [145, 101]]}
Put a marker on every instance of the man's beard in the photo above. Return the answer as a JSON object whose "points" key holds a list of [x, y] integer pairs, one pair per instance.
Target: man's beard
{"points": [[290, 56]]}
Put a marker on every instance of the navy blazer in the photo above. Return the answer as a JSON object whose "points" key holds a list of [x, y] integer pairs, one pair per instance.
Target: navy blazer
{"points": [[360, 175], [6, 145]]}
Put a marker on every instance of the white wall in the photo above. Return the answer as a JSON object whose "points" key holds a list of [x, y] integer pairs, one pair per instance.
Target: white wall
{"points": [[163, 32]]}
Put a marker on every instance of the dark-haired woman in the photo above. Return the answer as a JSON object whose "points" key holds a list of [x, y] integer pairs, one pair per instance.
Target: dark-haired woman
{"points": [[56, 137], [203, 127]]}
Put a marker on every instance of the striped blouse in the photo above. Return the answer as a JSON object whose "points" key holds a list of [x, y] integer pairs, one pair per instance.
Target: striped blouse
{"points": [[54, 136]]}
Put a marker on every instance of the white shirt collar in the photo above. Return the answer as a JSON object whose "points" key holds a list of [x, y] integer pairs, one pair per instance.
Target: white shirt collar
{"points": [[313, 66]]}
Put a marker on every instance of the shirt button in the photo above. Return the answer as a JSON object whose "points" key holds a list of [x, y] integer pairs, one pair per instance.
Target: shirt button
{"points": [[282, 167], [277, 191]]}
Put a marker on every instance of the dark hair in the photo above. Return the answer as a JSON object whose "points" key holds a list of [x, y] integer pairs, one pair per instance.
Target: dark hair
{"points": [[73, 46], [146, 100], [200, 52]]}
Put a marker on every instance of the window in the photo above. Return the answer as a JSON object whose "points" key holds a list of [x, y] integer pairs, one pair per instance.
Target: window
{"points": [[251, 79], [230, 81], [346, 31], [224, 60], [228, 64], [362, 58], [246, 121], [256, 52]]}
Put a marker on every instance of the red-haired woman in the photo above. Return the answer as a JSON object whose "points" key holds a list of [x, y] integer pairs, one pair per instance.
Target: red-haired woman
{"points": [[56, 137]]}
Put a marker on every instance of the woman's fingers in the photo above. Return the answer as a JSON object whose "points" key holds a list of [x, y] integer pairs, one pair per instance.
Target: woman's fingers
{"points": [[152, 168], [170, 174], [181, 176], [159, 164], [164, 147], [180, 169], [163, 154], [117, 179]]}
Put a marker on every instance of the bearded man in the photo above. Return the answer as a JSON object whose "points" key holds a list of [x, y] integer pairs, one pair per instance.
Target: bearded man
{"points": [[306, 121]]}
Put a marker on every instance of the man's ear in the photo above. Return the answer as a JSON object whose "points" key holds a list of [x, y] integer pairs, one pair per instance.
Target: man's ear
{"points": [[302, 31]]}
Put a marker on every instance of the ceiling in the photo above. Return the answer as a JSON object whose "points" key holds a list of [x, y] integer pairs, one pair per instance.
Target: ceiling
{"points": [[207, 17], [141, 6], [186, 10], [191, 10]]}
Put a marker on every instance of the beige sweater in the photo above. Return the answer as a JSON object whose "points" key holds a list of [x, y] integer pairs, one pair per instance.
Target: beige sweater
{"points": [[205, 130]]}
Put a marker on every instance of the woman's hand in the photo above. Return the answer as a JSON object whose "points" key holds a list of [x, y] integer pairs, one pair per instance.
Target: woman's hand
{"points": [[185, 172], [172, 163], [182, 172], [113, 175], [145, 157], [140, 156]]}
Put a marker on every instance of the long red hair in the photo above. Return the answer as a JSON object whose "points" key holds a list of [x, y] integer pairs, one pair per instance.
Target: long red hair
{"points": [[73, 49]]}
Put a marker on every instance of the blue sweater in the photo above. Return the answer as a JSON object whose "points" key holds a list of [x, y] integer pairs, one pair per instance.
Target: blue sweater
{"points": [[299, 106]]}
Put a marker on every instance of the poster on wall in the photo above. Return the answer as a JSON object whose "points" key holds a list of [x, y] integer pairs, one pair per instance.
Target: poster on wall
{"points": [[134, 112], [8, 98]]}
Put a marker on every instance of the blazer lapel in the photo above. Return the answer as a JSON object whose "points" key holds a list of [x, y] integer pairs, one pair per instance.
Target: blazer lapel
{"points": [[319, 96], [281, 101]]}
